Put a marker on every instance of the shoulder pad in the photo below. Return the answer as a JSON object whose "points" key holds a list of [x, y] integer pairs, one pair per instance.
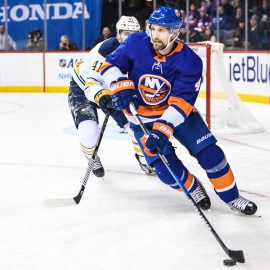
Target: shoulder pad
{"points": [[108, 46]]}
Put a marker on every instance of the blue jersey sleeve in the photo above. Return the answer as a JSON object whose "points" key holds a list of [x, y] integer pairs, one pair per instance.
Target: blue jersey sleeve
{"points": [[188, 83], [185, 90]]}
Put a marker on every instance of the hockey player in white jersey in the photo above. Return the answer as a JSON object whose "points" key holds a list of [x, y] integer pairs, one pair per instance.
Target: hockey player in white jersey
{"points": [[88, 91]]}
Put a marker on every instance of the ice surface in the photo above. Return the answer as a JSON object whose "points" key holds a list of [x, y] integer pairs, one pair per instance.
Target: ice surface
{"points": [[129, 221]]}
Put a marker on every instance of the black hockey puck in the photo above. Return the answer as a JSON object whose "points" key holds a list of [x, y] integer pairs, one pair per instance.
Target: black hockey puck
{"points": [[229, 262]]}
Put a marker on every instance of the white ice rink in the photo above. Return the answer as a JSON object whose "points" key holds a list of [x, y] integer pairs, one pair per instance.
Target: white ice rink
{"points": [[129, 221]]}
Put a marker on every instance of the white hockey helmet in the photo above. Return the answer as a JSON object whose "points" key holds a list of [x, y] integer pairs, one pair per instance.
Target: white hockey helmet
{"points": [[128, 23]]}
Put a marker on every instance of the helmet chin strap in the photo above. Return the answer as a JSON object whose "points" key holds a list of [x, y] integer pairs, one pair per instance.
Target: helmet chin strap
{"points": [[149, 33], [169, 43]]}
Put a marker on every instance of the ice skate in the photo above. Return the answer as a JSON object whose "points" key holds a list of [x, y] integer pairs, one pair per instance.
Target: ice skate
{"points": [[145, 167], [200, 196], [242, 205], [98, 169]]}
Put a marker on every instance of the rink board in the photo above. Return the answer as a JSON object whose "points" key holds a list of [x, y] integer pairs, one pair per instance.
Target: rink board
{"points": [[249, 72]]}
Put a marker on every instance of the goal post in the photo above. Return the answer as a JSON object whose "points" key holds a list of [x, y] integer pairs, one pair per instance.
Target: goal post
{"points": [[219, 103]]}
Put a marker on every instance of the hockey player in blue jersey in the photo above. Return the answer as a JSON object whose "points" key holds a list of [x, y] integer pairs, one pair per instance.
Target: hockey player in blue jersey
{"points": [[88, 91], [164, 78]]}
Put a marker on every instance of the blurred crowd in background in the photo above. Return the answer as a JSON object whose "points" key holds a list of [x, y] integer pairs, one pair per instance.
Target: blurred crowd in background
{"points": [[204, 20], [208, 20]]}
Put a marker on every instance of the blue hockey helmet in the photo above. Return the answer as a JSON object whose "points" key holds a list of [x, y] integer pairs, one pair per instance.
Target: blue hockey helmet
{"points": [[166, 16]]}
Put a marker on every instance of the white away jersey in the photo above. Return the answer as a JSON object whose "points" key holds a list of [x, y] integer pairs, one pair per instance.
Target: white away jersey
{"points": [[86, 72]]}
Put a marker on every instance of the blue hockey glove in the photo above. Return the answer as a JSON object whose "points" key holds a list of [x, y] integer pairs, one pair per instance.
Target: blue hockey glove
{"points": [[104, 101], [120, 118], [123, 92], [159, 136]]}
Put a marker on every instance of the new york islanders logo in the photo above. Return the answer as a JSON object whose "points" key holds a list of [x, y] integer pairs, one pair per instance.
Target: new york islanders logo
{"points": [[154, 89]]}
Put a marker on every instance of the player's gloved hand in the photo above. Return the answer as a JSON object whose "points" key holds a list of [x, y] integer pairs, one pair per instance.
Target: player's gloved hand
{"points": [[123, 92], [159, 136], [120, 118], [104, 101]]}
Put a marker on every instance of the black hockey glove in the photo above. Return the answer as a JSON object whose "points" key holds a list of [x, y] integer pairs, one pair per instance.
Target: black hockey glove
{"points": [[104, 101]]}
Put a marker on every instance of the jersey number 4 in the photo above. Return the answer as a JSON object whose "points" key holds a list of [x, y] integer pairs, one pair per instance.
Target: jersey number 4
{"points": [[96, 66], [198, 84]]}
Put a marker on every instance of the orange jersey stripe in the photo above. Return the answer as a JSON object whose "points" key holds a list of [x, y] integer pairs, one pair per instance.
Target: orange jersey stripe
{"points": [[146, 111], [182, 104], [178, 48], [223, 181], [122, 85], [145, 149], [104, 66], [127, 113], [164, 129], [156, 110], [188, 183], [162, 58]]}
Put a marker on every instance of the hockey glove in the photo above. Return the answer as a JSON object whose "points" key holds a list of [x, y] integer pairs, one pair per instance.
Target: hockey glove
{"points": [[123, 92], [104, 101], [119, 118], [159, 136]]}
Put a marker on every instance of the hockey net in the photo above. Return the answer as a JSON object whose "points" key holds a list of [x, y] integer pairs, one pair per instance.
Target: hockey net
{"points": [[223, 110]]}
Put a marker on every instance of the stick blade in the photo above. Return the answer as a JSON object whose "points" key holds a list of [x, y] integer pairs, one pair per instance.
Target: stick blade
{"points": [[237, 255], [54, 203]]}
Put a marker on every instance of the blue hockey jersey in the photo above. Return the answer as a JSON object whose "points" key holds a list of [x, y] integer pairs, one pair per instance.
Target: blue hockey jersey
{"points": [[167, 86]]}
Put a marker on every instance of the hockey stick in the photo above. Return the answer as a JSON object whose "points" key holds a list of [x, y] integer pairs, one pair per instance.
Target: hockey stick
{"points": [[235, 255], [76, 200]]}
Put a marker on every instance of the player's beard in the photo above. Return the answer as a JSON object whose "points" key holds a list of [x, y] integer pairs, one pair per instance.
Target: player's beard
{"points": [[158, 46]]}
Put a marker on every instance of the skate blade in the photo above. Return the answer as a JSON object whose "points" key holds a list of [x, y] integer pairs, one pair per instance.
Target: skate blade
{"points": [[101, 179], [256, 215], [53, 203]]}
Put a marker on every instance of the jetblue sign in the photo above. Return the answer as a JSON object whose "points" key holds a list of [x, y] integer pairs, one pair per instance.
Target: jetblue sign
{"points": [[249, 72], [64, 17], [250, 69]]}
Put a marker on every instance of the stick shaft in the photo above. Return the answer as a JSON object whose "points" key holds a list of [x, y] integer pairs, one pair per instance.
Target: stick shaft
{"points": [[230, 253], [90, 162]]}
